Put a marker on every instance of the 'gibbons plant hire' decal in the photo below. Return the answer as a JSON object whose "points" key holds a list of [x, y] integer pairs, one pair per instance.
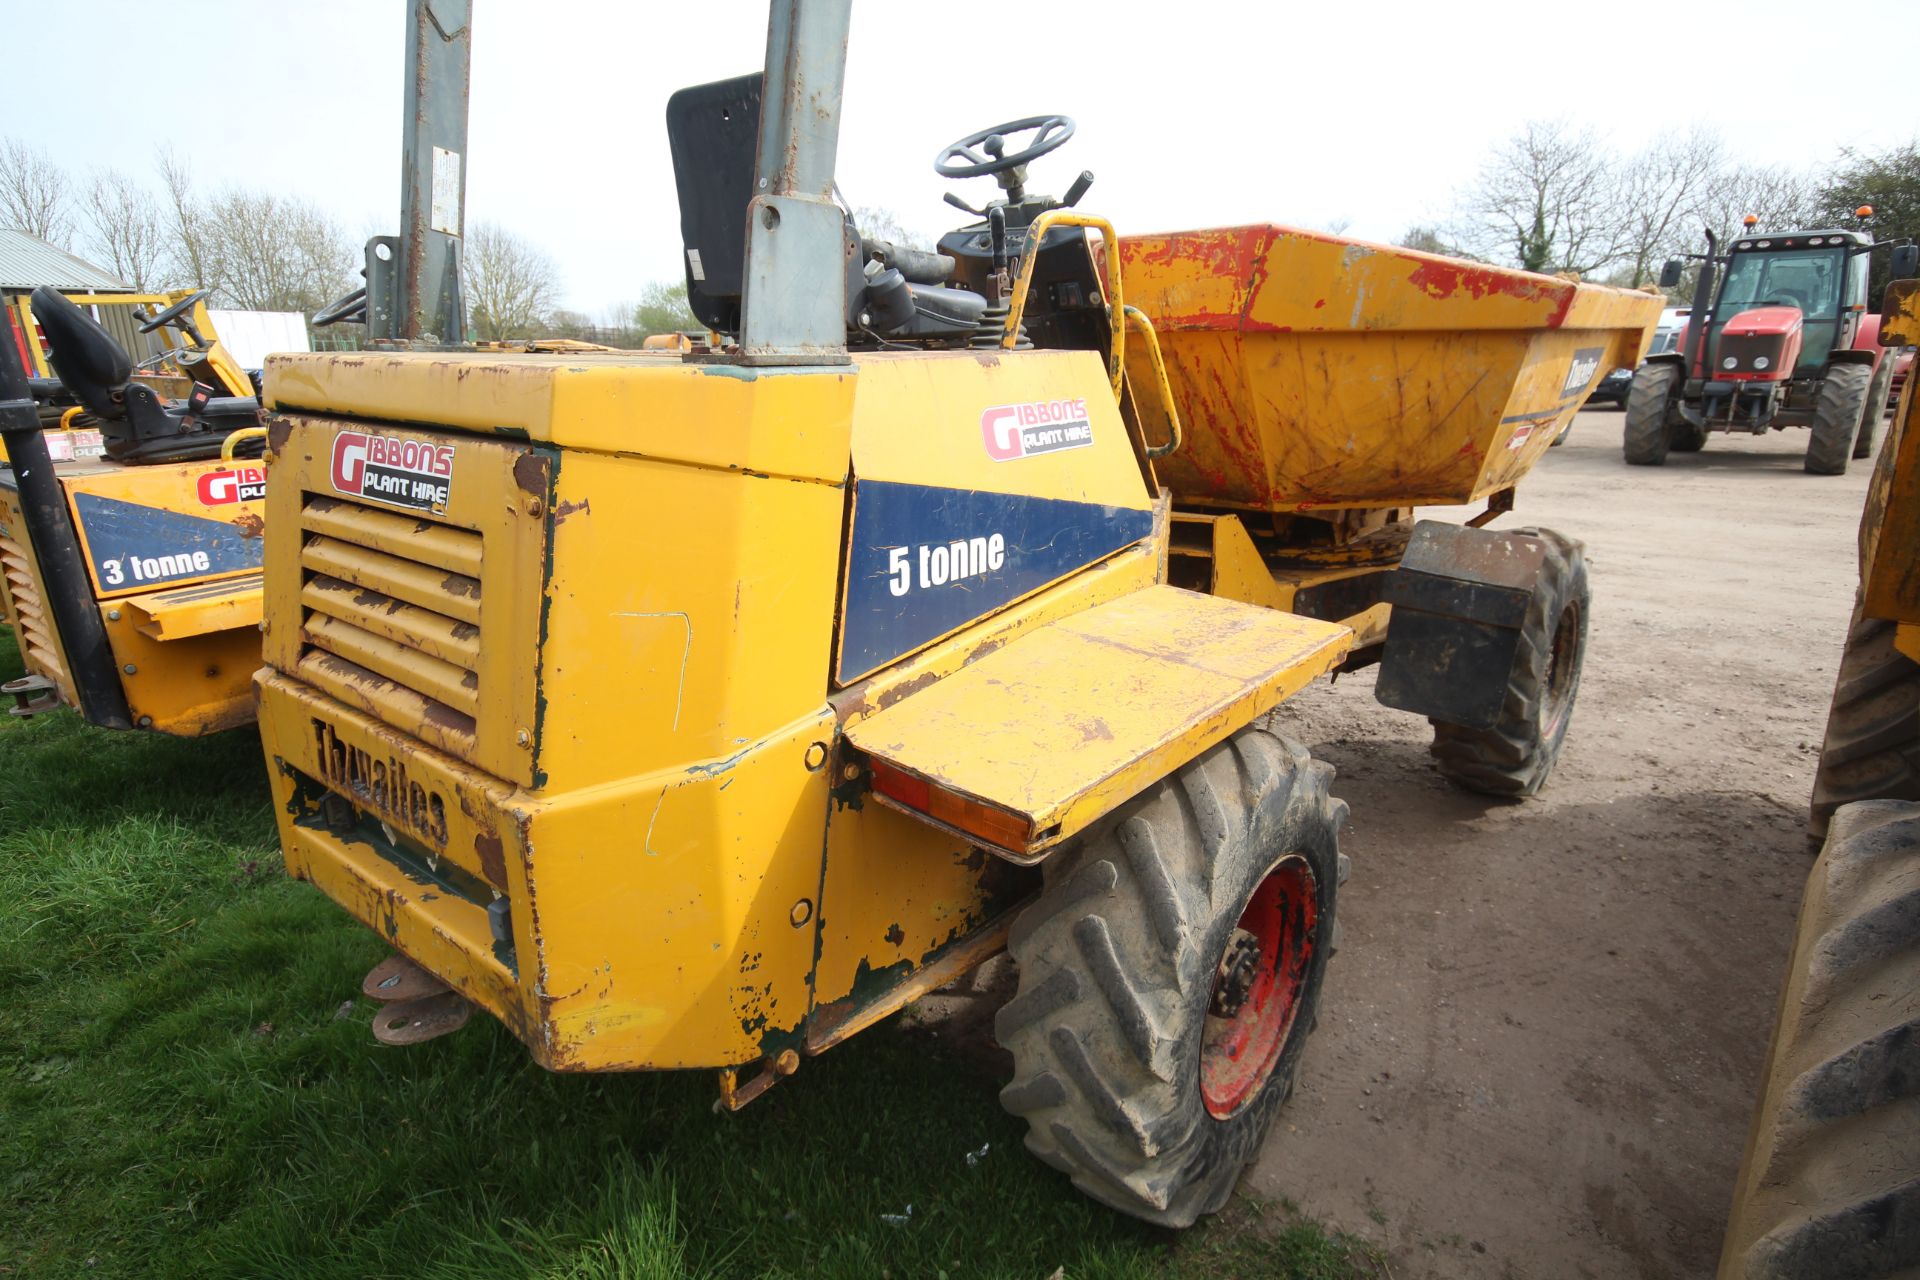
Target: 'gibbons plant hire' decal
{"points": [[1040, 426], [233, 484], [405, 473]]}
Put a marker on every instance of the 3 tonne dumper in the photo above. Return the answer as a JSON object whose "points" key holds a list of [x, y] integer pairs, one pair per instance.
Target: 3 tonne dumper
{"points": [[699, 710]]}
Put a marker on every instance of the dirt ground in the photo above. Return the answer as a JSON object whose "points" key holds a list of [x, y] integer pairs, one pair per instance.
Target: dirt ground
{"points": [[1544, 1030]]}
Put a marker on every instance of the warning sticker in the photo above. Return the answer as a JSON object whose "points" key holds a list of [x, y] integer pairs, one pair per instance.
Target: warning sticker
{"points": [[1041, 426], [405, 473], [446, 191]]}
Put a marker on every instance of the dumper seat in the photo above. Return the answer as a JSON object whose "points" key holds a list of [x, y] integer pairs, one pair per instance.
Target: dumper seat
{"points": [[136, 425]]}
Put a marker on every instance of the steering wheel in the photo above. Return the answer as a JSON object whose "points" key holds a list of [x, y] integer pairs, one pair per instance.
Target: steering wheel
{"points": [[351, 308], [961, 160], [173, 312]]}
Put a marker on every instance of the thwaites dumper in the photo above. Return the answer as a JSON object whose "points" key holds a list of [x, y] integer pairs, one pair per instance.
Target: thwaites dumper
{"points": [[132, 567], [1780, 336], [1830, 1183], [129, 530], [698, 711]]}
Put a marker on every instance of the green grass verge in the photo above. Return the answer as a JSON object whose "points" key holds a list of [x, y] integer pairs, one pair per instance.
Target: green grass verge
{"points": [[183, 1092]]}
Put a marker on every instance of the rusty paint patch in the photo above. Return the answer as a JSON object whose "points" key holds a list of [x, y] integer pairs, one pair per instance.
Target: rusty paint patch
{"points": [[493, 859], [249, 524], [564, 509], [530, 471]]}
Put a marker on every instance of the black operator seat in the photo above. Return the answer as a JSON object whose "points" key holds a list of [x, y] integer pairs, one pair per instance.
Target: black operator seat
{"points": [[136, 425], [713, 133], [91, 364]]}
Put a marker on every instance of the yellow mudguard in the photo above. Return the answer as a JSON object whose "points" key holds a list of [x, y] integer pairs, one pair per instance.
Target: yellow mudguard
{"points": [[1036, 741]]}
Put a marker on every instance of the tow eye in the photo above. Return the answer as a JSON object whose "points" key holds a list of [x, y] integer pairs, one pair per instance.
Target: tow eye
{"points": [[415, 1005], [1234, 982], [31, 695]]}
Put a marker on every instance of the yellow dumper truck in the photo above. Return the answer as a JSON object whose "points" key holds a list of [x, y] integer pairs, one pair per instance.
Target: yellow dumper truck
{"points": [[699, 710], [1830, 1183]]}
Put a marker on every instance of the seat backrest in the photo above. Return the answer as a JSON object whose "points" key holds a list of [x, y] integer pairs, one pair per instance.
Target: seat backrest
{"points": [[92, 365], [713, 131]]}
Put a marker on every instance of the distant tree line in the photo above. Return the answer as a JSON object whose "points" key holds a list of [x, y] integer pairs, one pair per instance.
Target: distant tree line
{"points": [[258, 250], [1557, 199]]}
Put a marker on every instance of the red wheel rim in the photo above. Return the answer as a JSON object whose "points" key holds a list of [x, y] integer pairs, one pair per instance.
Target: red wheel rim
{"points": [[1258, 985]]}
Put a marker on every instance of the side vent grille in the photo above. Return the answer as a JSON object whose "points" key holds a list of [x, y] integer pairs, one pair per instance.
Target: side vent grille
{"points": [[35, 632], [390, 616]]}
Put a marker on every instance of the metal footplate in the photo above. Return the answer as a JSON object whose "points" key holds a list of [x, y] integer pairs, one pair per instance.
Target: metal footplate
{"points": [[31, 695]]}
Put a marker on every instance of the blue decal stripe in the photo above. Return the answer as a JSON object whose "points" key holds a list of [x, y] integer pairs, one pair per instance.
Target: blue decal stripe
{"points": [[924, 561], [136, 547]]}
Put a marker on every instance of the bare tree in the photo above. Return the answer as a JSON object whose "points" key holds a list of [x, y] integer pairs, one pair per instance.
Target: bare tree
{"points": [[1780, 198], [1548, 197], [125, 229], [1661, 191], [276, 253], [510, 285], [1425, 239], [35, 195], [192, 252]]}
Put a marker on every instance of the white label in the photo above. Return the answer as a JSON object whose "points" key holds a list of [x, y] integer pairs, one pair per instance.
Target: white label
{"points": [[66, 446], [446, 191], [693, 261]]}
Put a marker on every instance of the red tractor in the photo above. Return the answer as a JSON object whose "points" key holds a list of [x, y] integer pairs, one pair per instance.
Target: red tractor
{"points": [[1785, 341]]}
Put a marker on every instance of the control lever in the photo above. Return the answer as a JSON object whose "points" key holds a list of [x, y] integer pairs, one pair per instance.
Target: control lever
{"points": [[997, 228], [962, 205], [1078, 189]]}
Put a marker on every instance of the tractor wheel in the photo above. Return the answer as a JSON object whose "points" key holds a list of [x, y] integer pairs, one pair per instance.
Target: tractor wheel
{"points": [[1830, 1184], [1169, 975], [1686, 438], [1837, 415], [1872, 748], [1515, 756], [1878, 392], [1649, 402]]}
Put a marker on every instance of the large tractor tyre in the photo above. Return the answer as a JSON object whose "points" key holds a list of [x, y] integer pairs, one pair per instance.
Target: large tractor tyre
{"points": [[1685, 437], [1169, 976], [1837, 415], [1872, 747], [1516, 755], [1879, 391], [1649, 405], [1830, 1183]]}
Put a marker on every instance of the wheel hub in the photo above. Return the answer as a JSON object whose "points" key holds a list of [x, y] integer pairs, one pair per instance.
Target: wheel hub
{"points": [[1258, 987]]}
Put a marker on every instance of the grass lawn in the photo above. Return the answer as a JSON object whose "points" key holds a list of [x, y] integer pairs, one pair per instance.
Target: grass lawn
{"points": [[183, 1092]]}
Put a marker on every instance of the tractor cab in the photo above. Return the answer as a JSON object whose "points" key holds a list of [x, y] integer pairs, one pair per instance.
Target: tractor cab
{"points": [[1805, 289]]}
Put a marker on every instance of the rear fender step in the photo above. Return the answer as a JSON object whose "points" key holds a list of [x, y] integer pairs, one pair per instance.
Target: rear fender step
{"points": [[397, 978], [407, 1022]]}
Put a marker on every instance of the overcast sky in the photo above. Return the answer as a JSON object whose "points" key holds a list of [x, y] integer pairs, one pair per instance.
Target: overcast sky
{"points": [[1190, 114]]}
